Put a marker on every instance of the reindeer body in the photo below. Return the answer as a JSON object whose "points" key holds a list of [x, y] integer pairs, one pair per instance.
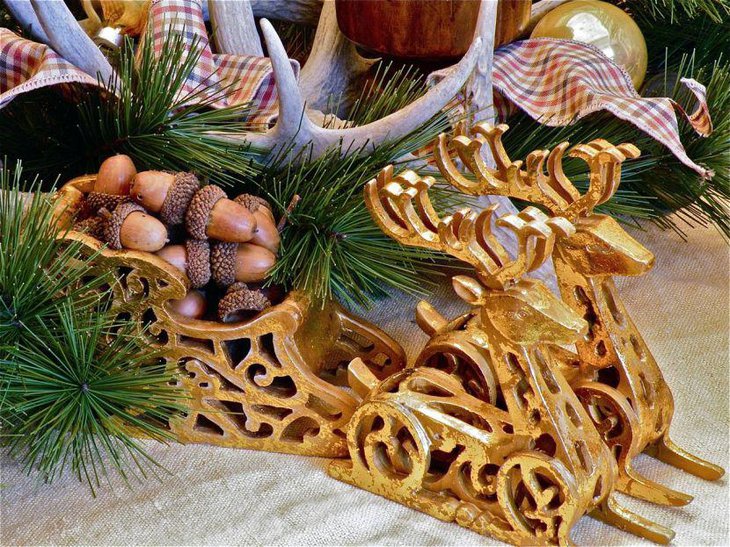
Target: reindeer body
{"points": [[483, 430], [501, 356], [620, 382], [613, 372]]}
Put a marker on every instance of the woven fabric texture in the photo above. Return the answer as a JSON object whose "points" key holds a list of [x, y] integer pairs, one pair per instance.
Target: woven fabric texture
{"points": [[217, 496]]}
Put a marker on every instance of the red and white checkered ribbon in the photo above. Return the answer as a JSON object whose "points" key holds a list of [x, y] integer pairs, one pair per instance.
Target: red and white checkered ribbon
{"points": [[560, 81], [554, 81], [27, 65]]}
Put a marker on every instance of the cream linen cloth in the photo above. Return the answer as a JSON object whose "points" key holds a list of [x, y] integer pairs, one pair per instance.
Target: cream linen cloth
{"points": [[217, 496]]}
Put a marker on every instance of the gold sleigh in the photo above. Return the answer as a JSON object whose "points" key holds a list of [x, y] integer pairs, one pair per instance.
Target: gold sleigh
{"points": [[272, 383]]}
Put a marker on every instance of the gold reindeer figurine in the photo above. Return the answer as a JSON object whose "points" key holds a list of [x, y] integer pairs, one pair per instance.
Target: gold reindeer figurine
{"points": [[484, 430], [613, 373]]}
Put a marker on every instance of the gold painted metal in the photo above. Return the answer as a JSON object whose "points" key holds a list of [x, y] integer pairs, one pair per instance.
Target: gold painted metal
{"points": [[613, 373], [274, 382], [484, 430]]}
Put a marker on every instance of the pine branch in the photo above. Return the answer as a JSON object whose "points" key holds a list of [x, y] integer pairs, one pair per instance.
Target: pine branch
{"points": [[143, 113], [330, 245], [673, 10], [38, 271], [76, 393]]}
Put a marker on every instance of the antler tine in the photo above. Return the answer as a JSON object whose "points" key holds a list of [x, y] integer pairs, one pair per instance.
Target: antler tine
{"points": [[69, 40], [391, 204], [294, 131], [334, 67], [468, 151], [604, 161], [234, 27], [508, 179], [24, 13], [467, 236], [535, 242]]}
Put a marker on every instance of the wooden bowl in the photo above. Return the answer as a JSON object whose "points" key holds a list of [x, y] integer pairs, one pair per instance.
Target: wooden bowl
{"points": [[428, 30]]}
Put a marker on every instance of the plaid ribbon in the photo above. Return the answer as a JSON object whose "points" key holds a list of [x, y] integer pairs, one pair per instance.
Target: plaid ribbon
{"points": [[228, 79], [560, 81], [26, 65], [554, 81]]}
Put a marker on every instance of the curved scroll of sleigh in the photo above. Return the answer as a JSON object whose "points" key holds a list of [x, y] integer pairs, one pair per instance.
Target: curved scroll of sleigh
{"points": [[497, 426], [268, 383]]}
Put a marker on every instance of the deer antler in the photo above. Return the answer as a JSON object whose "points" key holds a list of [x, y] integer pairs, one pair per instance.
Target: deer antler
{"points": [[542, 180], [402, 208]]}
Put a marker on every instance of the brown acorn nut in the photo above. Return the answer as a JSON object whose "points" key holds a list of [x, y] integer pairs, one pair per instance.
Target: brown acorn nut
{"points": [[130, 227], [193, 306], [175, 255], [165, 193], [253, 263], [111, 186], [192, 259], [115, 175], [266, 233], [212, 215]]}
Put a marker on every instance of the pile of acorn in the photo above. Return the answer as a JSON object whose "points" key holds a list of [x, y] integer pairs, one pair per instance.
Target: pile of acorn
{"points": [[225, 247]]}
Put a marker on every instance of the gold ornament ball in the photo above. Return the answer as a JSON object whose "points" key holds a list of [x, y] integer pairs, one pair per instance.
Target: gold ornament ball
{"points": [[602, 25]]}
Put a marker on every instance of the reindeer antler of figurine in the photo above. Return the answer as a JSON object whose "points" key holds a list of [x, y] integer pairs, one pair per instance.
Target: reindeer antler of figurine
{"points": [[497, 426]]}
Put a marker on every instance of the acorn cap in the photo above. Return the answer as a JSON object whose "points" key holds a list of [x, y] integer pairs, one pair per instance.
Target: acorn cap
{"points": [[178, 198], [196, 218], [240, 298], [98, 200], [113, 224], [198, 256], [251, 202], [93, 226], [223, 263]]}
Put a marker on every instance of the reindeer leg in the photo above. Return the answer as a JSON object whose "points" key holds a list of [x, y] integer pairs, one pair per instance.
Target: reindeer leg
{"points": [[666, 451], [636, 485], [613, 513]]}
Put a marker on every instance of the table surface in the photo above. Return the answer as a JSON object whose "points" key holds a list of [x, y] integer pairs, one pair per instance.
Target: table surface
{"points": [[219, 496]]}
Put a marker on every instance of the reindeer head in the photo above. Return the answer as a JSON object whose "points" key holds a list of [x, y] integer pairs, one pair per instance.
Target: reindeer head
{"points": [[599, 245], [522, 310]]}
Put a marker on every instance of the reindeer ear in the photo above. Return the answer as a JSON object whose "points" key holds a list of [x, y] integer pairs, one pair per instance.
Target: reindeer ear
{"points": [[468, 289]]}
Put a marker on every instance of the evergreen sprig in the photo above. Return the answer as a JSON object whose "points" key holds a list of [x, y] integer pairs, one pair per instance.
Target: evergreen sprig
{"points": [[78, 393], [144, 112], [38, 270], [69, 392], [331, 247]]}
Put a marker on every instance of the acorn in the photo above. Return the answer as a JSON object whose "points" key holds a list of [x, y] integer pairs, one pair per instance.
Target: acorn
{"points": [[223, 262], [192, 259], [112, 183], [239, 300], [212, 215], [192, 306], [252, 263], [266, 233], [130, 227], [168, 194], [93, 226]]}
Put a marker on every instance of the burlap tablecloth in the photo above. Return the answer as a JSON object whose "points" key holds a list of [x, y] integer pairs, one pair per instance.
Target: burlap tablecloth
{"points": [[220, 496]]}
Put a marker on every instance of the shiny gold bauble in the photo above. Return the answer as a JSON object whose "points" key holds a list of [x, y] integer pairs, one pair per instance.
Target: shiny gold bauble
{"points": [[602, 25]]}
